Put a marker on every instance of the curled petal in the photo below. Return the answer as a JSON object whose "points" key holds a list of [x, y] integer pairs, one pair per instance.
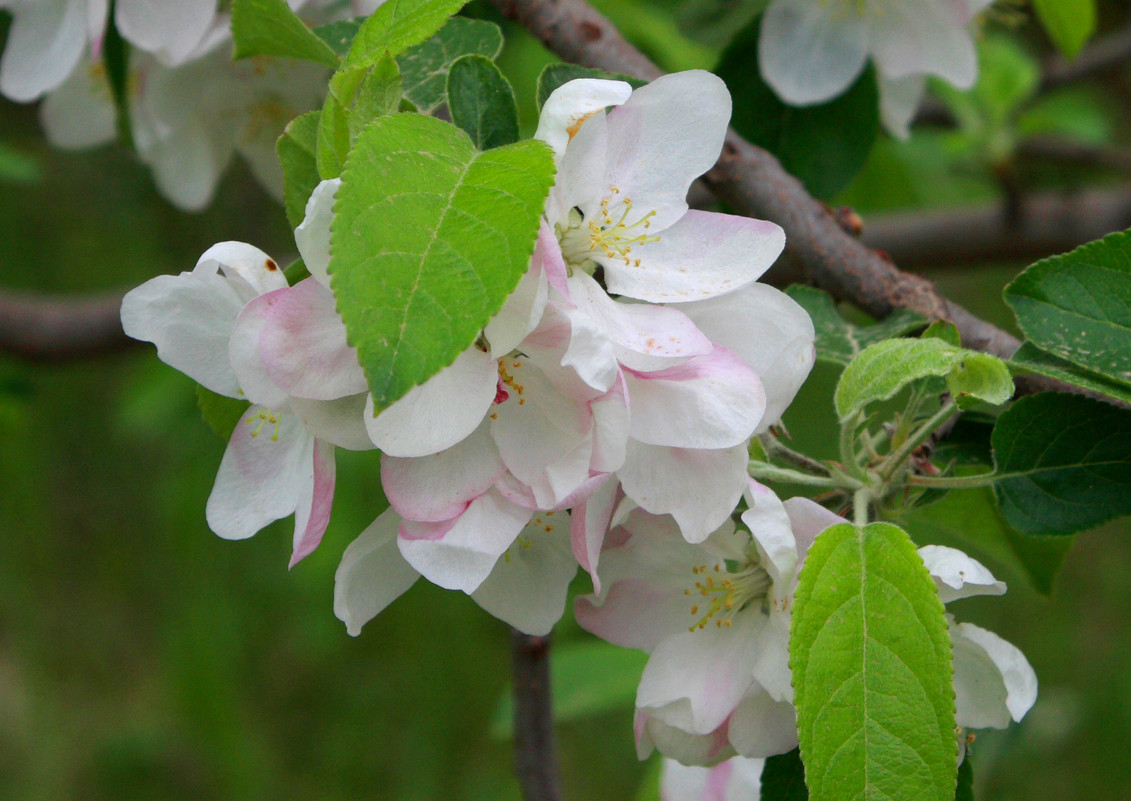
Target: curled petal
{"points": [[312, 514], [372, 574], [251, 271], [993, 681], [688, 748], [763, 727], [588, 522], [571, 104], [958, 575], [313, 234], [808, 519]]}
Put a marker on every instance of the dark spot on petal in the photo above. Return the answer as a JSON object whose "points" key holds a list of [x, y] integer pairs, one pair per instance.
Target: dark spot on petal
{"points": [[590, 32], [271, 265]]}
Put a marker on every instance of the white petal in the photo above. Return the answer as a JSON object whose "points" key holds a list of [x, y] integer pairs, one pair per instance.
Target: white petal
{"points": [[528, 585], [580, 181], [267, 467], [372, 574], [571, 104], [169, 30], [340, 422], [699, 488], [588, 523], [735, 779], [610, 428], [441, 411], [688, 748], [899, 99], [80, 113], [313, 234], [246, 356], [45, 42], [810, 52], [808, 519], [993, 681], [188, 163], [702, 255], [958, 575], [911, 37], [523, 308], [768, 522], [763, 727], [460, 554], [251, 271]]}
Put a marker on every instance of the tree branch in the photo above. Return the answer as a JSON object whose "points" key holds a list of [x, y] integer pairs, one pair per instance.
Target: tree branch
{"points": [[1102, 55], [535, 761], [51, 328]]}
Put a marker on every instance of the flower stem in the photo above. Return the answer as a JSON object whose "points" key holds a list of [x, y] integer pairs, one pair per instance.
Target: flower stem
{"points": [[769, 472], [954, 482], [917, 438], [775, 447], [535, 761], [848, 446], [860, 501]]}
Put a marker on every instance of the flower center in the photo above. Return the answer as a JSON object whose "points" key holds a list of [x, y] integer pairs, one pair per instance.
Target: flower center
{"points": [[508, 382], [265, 417], [722, 591], [614, 234]]}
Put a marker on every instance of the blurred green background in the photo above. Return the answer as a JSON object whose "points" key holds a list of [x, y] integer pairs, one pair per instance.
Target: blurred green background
{"points": [[141, 657]]}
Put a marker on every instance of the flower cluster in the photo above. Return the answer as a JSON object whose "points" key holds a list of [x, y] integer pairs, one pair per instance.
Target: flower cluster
{"points": [[190, 106]]}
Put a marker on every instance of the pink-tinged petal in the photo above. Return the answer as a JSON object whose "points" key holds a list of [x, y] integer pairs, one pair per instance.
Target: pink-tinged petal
{"points": [[610, 428], [580, 182], [529, 583], [694, 680], [771, 667], [588, 523], [712, 401], [736, 779], [958, 575], [251, 271], [171, 31], [668, 134], [80, 113], [993, 681], [688, 748], [763, 727], [246, 355], [811, 52], [523, 308], [699, 488], [439, 487], [703, 255], [45, 42], [807, 519], [190, 318], [769, 331], [441, 411], [459, 554], [267, 468], [312, 514], [899, 99], [911, 37], [516, 492], [340, 422], [573, 103], [303, 345], [313, 234], [372, 574]]}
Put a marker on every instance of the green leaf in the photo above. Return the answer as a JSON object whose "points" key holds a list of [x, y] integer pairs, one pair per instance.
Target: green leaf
{"points": [[1064, 463], [482, 103], [824, 146], [589, 677], [965, 789], [1031, 359], [783, 778], [220, 412], [296, 149], [882, 369], [838, 341], [1078, 305], [872, 675], [378, 94], [424, 67], [554, 75], [339, 35], [1069, 23], [333, 143], [396, 26], [970, 520], [429, 238], [944, 330], [17, 167], [270, 28]]}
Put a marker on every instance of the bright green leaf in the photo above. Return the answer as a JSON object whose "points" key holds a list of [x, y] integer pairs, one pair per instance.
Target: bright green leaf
{"points": [[944, 330], [270, 28], [554, 75], [482, 103], [1069, 23], [220, 412], [333, 142], [429, 238], [424, 67], [884, 368], [396, 26], [783, 778], [378, 94], [824, 146], [872, 673], [589, 677], [1078, 305], [838, 341], [296, 149], [1031, 359], [1064, 463], [339, 35]]}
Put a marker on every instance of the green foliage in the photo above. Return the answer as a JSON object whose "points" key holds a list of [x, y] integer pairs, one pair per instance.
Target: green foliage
{"points": [[838, 340], [884, 368], [824, 146], [220, 412], [783, 778], [590, 677], [396, 26], [554, 75], [429, 238], [872, 674], [356, 98], [339, 35], [1031, 359], [1069, 23], [425, 66], [296, 150], [481, 102], [1078, 306], [17, 167], [1064, 463], [270, 28]]}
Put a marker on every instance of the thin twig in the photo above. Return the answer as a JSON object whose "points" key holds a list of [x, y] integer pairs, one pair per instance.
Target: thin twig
{"points": [[535, 761], [54, 328]]}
